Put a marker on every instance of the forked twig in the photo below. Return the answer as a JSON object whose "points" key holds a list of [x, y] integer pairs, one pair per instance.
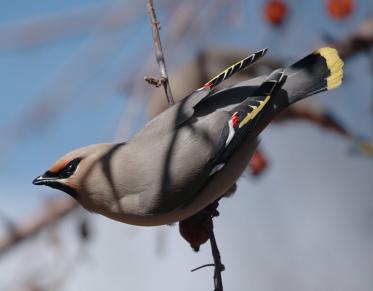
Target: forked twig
{"points": [[158, 54]]}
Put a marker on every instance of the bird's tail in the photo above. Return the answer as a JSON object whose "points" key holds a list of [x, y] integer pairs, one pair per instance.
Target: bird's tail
{"points": [[319, 71]]}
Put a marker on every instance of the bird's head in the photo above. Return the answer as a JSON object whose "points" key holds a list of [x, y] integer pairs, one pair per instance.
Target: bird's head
{"points": [[97, 176], [61, 176], [75, 172]]}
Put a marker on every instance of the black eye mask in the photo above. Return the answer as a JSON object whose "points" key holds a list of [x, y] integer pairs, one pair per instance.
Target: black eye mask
{"points": [[66, 171], [69, 169], [51, 179]]}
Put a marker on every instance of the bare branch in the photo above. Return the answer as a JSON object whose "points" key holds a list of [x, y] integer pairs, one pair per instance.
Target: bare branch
{"points": [[52, 212], [219, 267], [159, 52], [196, 230], [359, 40]]}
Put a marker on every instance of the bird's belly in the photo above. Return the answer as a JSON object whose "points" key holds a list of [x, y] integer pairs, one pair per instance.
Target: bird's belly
{"points": [[221, 182]]}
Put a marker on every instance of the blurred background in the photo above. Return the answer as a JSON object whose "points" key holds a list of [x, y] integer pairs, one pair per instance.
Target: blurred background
{"points": [[71, 74]]}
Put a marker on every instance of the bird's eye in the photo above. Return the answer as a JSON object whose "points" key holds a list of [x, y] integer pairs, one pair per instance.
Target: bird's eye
{"points": [[70, 168]]}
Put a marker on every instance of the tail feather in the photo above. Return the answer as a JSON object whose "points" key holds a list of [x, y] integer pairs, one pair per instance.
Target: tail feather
{"points": [[320, 71], [335, 66]]}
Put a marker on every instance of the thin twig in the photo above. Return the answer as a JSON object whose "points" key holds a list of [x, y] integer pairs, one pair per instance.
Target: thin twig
{"points": [[203, 266], [219, 267], [154, 81], [159, 52]]}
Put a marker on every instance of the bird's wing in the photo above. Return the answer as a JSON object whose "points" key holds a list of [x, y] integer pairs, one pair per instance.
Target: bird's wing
{"points": [[192, 154], [185, 108], [179, 150], [243, 118], [182, 111]]}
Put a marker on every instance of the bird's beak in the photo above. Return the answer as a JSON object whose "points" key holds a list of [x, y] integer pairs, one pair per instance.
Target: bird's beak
{"points": [[52, 180], [45, 179]]}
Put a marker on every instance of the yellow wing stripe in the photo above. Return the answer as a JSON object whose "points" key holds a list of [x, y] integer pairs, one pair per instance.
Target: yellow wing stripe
{"points": [[238, 64], [256, 109], [235, 68], [335, 66]]}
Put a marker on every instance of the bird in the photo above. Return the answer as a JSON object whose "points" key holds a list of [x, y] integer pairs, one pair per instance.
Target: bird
{"points": [[190, 155]]}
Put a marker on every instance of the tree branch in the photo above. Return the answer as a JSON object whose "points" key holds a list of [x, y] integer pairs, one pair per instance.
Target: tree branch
{"points": [[219, 267], [52, 212], [359, 40], [159, 53]]}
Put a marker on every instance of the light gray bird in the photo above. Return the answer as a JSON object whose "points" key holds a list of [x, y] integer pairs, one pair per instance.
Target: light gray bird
{"points": [[192, 153]]}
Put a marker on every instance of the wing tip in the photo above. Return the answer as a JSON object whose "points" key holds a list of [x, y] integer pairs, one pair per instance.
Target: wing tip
{"points": [[235, 68]]}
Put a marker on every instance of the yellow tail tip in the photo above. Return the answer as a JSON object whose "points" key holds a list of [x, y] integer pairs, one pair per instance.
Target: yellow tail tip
{"points": [[335, 66]]}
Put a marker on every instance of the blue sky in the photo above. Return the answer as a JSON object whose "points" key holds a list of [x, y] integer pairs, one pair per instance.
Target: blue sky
{"points": [[86, 70], [312, 187]]}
